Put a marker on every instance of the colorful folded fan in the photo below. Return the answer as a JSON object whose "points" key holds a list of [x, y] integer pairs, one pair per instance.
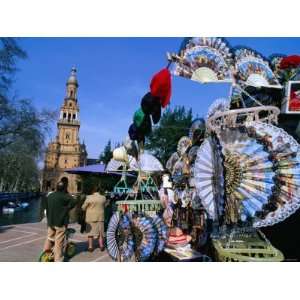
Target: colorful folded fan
{"points": [[162, 231], [120, 243], [145, 236]]}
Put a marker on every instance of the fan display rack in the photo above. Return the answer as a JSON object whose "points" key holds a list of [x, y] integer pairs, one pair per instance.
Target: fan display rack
{"points": [[246, 245], [145, 188]]}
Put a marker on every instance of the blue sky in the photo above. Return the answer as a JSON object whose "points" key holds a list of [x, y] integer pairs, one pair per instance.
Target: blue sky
{"points": [[113, 75]]}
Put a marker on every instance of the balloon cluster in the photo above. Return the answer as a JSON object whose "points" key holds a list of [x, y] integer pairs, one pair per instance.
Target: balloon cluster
{"points": [[151, 105]]}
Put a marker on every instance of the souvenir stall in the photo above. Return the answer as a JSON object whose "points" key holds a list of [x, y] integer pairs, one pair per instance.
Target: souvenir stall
{"points": [[236, 172], [246, 170]]}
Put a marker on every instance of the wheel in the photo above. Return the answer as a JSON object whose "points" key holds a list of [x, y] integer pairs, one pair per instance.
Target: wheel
{"points": [[70, 250], [46, 256]]}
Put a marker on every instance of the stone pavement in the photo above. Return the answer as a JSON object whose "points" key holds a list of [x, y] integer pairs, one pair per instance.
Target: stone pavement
{"points": [[24, 242]]}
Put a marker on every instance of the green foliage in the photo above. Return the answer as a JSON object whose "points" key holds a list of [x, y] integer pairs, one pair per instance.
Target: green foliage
{"points": [[173, 125], [102, 183], [106, 155]]}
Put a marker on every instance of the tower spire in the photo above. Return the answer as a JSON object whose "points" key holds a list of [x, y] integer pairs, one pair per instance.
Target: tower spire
{"points": [[72, 84]]}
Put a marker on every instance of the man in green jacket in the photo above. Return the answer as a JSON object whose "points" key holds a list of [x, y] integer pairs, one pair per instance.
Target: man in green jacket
{"points": [[57, 205]]}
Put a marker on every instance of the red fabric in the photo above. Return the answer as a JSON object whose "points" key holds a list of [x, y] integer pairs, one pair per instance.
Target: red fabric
{"points": [[292, 61], [294, 104], [160, 86]]}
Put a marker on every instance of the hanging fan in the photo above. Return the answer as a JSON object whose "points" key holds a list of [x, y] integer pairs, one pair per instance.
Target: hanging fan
{"points": [[203, 60], [119, 238], [145, 237], [162, 231], [172, 161], [253, 70], [197, 130], [183, 144], [219, 105], [209, 180], [285, 154]]}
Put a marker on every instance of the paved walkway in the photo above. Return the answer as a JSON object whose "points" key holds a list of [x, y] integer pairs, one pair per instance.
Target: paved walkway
{"points": [[23, 243]]}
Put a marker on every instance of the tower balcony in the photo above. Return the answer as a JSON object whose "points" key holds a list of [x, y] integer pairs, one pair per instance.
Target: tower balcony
{"points": [[68, 122]]}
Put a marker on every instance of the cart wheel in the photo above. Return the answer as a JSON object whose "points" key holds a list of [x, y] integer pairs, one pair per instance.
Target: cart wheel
{"points": [[46, 256], [71, 249]]}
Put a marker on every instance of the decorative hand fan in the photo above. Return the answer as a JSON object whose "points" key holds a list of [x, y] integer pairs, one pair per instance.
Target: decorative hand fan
{"points": [[219, 105], [192, 154], [209, 180], [172, 161], [119, 238], [253, 70], [248, 175], [285, 154], [183, 144], [197, 130], [145, 237], [162, 231], [204, 60]]}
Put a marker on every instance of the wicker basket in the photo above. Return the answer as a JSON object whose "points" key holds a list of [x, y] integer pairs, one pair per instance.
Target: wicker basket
{"points": [[254, 247]]}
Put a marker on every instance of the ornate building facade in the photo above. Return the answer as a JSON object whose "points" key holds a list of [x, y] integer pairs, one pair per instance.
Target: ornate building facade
{"points": [[66, 151]]}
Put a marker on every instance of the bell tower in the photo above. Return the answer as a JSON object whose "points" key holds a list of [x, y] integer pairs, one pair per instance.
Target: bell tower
{"points": [[68, 124], [66, 151]]}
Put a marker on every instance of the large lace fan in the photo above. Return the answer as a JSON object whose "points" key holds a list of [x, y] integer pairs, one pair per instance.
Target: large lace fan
{"points": [[204, 60], [248, 175], [285, 154], [209, 180], [253, 70]]}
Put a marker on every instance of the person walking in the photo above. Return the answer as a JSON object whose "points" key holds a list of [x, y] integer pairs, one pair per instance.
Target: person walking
{"points": [[94, 206], [57, 205]]}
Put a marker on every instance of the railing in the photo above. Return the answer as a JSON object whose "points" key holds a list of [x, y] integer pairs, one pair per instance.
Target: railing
{"points": [[5, 197]]}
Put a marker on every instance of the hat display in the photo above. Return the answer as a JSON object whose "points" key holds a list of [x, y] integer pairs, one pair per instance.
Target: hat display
{"points": [[160, 86], [120, 154], [138, 118], [135, 134]]}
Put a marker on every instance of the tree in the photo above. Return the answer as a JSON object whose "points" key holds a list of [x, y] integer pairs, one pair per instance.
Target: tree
{"points": [[106, 155], [22, 127], [164, 138]]}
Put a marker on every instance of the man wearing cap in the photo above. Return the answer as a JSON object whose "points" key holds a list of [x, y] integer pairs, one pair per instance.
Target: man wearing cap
{"points": [[57, 205]]}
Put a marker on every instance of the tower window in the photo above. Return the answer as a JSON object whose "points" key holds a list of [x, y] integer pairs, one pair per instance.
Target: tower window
{"points": [[64, 115], [70, 104], [74, 116], [66, 161], [69, 117], [71, 94]]}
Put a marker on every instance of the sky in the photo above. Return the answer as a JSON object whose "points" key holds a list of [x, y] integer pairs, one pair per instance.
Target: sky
{"points": [[113, 75]]}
